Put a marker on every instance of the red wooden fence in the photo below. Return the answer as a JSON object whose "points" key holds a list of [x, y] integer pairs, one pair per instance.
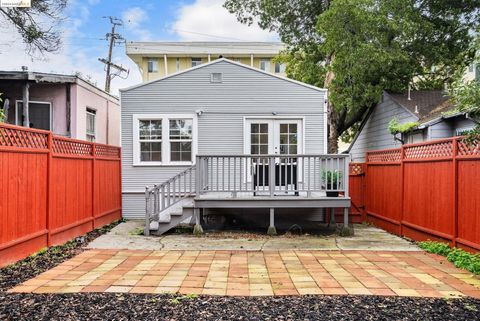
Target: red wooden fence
{"points": [[426, 191], [53, 189]]}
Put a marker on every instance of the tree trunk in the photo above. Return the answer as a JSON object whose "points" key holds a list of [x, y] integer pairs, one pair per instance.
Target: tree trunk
{"points": [[333, 136]]}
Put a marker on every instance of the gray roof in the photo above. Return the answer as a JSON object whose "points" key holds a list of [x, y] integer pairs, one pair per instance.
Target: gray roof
{"points": [[424, 104], [202, 47]]}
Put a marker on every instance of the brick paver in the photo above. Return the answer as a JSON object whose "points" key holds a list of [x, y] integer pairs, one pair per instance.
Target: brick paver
{"points": [[257, 273]]}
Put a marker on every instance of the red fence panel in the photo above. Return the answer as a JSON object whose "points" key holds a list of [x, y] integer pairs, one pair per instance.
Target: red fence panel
{"points": [[426, 191], [53, 189]]}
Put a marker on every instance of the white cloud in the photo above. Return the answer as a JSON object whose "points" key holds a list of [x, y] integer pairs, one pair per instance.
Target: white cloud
{"points": [[133, 19], [208, 20]]}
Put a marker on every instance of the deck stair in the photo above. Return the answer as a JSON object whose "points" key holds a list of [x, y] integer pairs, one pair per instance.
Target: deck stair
{"points": [[172, 216]]}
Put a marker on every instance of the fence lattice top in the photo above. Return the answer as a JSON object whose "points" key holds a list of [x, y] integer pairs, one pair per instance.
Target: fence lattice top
{"points": [[465, 148], [389, 155], [17, 137], [20, 137], [107, 151], [430, 150], [356, 168]]}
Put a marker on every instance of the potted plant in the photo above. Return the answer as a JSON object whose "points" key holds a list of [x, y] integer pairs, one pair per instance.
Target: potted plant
{"points": [[332, 180]]}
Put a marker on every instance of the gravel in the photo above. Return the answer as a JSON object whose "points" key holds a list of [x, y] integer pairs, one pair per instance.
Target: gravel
{"points": [[110, 306], [47, 258]]}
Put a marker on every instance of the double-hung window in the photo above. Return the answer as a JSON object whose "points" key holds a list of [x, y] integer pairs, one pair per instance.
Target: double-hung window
{"points": [[181, 140], [265, 64], [150, 139], [196, 62], [164, 139], [90, 130], [152, 65]]}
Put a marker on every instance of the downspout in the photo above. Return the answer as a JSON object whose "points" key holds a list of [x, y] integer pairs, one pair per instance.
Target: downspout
{"points": [[68, 105]]}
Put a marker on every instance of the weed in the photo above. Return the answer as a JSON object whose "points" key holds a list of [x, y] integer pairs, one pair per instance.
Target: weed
{"points": [[178, 299], [137, 231], [460, 258]]}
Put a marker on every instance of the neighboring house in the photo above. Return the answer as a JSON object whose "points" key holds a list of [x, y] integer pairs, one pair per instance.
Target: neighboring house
{"points": [[436, 117], [158, 59], [65, 104], [473, 72], [229, 113]]}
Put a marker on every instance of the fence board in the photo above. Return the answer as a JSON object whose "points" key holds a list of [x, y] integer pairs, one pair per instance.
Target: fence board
{"points": [[47, 189]]}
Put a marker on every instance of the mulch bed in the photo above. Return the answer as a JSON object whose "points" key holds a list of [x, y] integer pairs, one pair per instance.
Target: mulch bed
{"points": [[46, 259], [109, 306]]}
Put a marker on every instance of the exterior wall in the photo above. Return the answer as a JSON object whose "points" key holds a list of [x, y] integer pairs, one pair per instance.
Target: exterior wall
{"points": [[186, 62], [442, 129], [375, 135], [243, 92], [462, 123], [55, 94], [107, 118]]}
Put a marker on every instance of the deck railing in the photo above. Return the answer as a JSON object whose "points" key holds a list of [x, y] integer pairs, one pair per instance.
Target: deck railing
{"points": [[271, 175], [162, 196]]}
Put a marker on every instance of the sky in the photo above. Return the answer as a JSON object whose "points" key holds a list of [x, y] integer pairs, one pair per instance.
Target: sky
{"points": [[84, 29]]}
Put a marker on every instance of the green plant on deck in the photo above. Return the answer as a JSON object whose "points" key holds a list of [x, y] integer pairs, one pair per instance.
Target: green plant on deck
{"points": [[2, 114], [332, 177], [460, 258], [137, 231], [394, 127]]}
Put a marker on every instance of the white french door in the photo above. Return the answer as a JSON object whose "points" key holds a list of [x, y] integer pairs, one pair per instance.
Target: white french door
{"points": [[273, 136]]}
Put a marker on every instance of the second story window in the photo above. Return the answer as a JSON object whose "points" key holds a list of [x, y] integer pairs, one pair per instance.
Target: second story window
{"points": [[279, 68], [265, 64], [196, 62], [90, 129], [152, 65]]}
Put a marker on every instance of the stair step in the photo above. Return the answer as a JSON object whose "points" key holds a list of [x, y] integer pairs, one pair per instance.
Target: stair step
{"points": [[177, 213]]}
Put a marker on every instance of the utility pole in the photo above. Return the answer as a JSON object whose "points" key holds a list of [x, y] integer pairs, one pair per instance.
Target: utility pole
{"points": [[114, 38]]}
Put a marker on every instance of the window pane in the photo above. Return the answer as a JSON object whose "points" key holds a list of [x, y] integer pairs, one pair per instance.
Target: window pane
{"points": [[254, 128], [264, 138], [292, 139], [181, 128], [264, 128], [150, 129], [150, 151], [293, 149], [293, 128], [283, 128], [255, 139], [181, 151], [283, 138], [263, 149], [254, 150]]}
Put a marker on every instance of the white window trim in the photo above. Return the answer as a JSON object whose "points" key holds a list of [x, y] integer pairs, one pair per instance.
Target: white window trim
{"points": [[17, 120], [165, 138]]}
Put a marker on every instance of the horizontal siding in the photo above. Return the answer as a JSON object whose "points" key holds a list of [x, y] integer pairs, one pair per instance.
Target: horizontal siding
{"points": [[375, 134], [243, 92], [440, 130], [133, 206]]}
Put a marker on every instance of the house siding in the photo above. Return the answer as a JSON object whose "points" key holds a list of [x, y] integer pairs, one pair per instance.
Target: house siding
{"points": [[440, 130], [243, 93], [374, 134]]}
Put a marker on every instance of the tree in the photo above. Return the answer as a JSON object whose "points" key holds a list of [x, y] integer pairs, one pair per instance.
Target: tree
{"points": [[359, 48], [38, 25]]}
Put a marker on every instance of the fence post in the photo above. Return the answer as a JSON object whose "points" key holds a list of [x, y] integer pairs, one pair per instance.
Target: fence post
{"points": [[455, 190], [49, 186], [94, 152], [402, 186]]}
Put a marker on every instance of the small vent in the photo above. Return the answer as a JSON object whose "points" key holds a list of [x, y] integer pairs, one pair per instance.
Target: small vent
{"points": [[216, 77]]}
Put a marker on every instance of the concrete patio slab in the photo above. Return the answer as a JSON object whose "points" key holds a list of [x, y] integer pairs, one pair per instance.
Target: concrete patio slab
{"points": [[257, 273], [365, 238]]}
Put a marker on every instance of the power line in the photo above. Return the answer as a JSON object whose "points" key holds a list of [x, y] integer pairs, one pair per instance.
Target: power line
{"points": [[115, 39]]}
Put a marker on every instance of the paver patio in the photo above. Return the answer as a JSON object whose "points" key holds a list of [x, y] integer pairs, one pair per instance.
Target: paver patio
{"points": [[255, 273]]}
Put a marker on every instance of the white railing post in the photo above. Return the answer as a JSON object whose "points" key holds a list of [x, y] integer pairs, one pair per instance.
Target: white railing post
{"points": [[346, 176], [197, 176], [147, 212], [271, 175]]}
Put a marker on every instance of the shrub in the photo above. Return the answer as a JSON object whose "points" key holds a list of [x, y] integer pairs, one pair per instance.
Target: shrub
{"points": [[394, 127]]}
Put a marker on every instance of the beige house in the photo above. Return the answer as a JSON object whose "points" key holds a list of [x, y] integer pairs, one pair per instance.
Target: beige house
{"points": [[159, 59]]}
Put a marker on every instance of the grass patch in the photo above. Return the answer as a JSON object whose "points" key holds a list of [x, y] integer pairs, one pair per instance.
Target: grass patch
{"points": [[460, 258], [137, 231]]}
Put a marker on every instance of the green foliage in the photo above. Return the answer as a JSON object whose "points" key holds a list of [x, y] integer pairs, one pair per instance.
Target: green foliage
{"points": [[179, 299], [2, 116], [137, 231], [360, 48], [394, 127], [460, 258], [332, 177], [38, 25]]}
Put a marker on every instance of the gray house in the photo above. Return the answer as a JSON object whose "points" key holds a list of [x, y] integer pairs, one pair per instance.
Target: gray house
{"points": [[224, 137], [436, 117]]}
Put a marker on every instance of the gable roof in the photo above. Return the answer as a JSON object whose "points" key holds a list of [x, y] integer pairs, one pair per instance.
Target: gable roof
{"points": [[424, 104], [230, 62]]}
